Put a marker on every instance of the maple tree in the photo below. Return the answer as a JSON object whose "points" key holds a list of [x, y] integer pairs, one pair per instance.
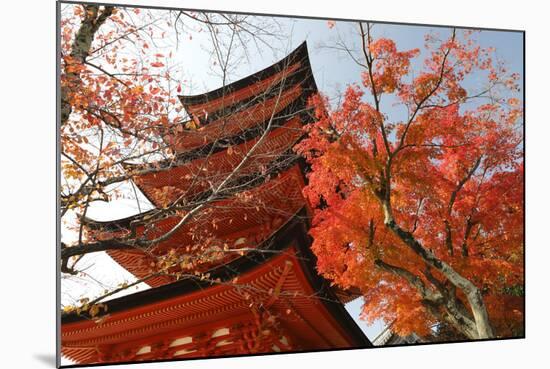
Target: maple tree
{"points": [[423, 214]]}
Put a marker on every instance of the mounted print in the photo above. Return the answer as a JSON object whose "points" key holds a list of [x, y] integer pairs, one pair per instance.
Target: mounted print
{"points": [[236, 184]]}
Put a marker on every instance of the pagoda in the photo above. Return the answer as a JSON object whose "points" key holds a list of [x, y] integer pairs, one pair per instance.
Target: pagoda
{"points": [[258, 290]]}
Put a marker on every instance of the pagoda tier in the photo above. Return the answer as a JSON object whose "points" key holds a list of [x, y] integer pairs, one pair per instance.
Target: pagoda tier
{"points": [[167, 181], [256, 84], [267, 302], [239, 222], [240, 110]]}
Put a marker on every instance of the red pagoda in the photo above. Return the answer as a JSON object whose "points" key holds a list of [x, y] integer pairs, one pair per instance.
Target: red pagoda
{"points": [[266, 296]]}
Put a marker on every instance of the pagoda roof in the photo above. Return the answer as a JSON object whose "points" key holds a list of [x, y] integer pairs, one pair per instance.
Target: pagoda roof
{"points": [[251, 217], [305, 305], [194, 177], [298, 55], [292, 111]]}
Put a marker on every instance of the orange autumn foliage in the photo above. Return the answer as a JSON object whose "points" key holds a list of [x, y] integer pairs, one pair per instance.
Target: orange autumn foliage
{"points": [[455, 173], [119, 98]]}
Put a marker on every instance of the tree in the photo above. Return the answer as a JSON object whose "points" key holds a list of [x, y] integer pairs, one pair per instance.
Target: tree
{"points": [[424, 214], [119, 110]]}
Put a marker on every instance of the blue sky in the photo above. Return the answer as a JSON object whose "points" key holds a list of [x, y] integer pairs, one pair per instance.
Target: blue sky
{"points": [[334, 70]]}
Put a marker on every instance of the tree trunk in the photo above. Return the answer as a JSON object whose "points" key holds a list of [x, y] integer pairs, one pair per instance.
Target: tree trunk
{"points": [[473, 294]]}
